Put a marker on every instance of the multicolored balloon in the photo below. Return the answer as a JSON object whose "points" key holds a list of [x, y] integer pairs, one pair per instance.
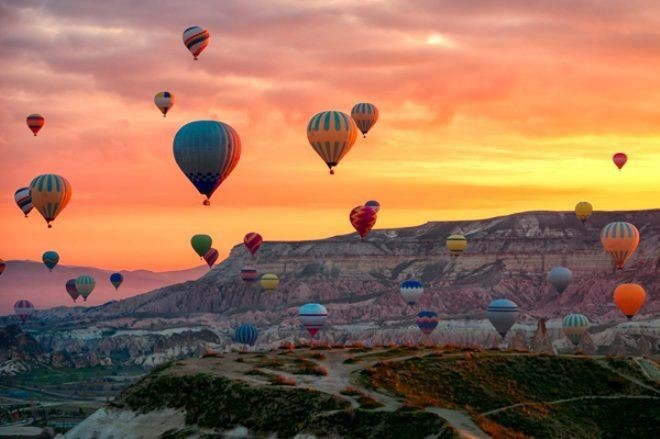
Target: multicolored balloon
{"points": [[375, 205], [164, 101], [365, 116], [363, 219], [619, 159], [411, 291], [50, 259], [427, 321], [196, 39], [2, 266], [249, 275], [312, 316], [116, 279], [629, 298], [246, 334], [201, 244], [211, 257], [71, 289], [50, 194], [253, 241], [620, 240], [583, 210], [331, 134], [269, 281], [35, 122], [456, 244], [560, 278], [502, 314], [207, 151], [23, 309], [85, 285], [23, 200], [575, 326]]}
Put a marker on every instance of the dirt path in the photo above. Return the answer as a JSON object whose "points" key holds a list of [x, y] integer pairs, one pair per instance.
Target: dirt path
{"points": [[628, 377], [561, 401], [460, 421]]}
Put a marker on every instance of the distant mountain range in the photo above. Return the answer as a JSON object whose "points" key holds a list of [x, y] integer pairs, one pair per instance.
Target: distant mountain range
{"points": [[32, 281]]}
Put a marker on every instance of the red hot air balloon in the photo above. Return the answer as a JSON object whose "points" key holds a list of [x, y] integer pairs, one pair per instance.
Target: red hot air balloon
{"points": [[619, 159], [253, 241], [211, 256], [35, 122], [363, 219]]}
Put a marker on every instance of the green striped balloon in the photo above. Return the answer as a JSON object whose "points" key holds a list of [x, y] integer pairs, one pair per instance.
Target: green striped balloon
{"points": [[85, 285], [575, 326]]}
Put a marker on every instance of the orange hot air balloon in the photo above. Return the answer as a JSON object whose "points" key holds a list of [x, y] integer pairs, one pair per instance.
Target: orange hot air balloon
{"points": [[619, 159], [363, 219], [620, 240], [629, 298]]}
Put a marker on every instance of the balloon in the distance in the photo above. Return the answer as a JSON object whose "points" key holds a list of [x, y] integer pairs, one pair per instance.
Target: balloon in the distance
{"points": [[331, 134], [619, 159], [23, 200], [620, 240], [629, 298], [560, 278], [365, 116], [201, 244], [456, 244], [85, 285], [50, 259], [363, 219], [71, 289], [196, 39], [116, 279], [411, 291], [249, 275], [502, 314], [575, 326], [253, 241], [50, 194], [312, 316], [246, 334], [427, 321], [583, 210], [23, 309], [211, 257], [2, 266], [35, 122], [375, 205], [164, 100], [207, 151], [269, 281]]}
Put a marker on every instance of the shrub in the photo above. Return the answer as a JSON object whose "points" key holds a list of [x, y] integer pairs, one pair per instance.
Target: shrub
{"points": [[282, 380]]}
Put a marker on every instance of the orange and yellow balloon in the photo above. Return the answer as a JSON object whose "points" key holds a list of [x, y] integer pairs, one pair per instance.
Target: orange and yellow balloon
{"points": [[629, 298], [456, 244], [365, 116], [583, 210], [50, 194], [620, 240], [331, 134]]}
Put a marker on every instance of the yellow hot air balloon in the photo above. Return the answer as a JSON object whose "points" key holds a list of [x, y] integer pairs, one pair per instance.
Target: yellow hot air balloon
{"points": [[269, 281], [456, 244], [50, 194], [629, 298], [583, 210], [620, 240], [332, 134]]}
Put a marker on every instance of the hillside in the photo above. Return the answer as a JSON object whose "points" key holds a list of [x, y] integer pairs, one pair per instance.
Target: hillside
{"points": [[384, 392]]}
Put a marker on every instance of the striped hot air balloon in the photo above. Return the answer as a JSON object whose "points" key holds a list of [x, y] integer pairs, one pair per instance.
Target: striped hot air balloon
{"points": [[269, 281], [71, 289], [411, 291], [50, 258], [583, 210], [207, 151], [35, 122], [246, 334], [331, 134], [365, 116], [164, 101], [312, 316], [249, 275], [196, 39], [50, 194], [363, 219], [23, 309], [211, 257], [116, 279], [620, 240], [85, 285], [456, 244], [574, 327], [427, 321], [252, 242], [629, 298], [375, 205], [2, 266], [560, 278], [23, 200], [502, 314]]}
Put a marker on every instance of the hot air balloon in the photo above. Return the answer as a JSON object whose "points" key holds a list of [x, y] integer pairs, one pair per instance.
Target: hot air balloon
{"points": [[502, 314], [331, 134], [50, 194], [246, 334], [560, 278], [85, 285], [201, 244], [249, 275], [375, 205], [363, 219], [71, 289], [411, 290], [365, 116], [23, 309], [196, 39], [23, 200], [269, 281], [116, 280], [619, 159], [629, 298], [164, 101], [574, 326], [620, 240], [456, 244], [211, 256], [253, 241], [207, 151], [312, 316], [2, 266], [427, 321], [35, 122], [583, 210], [50, 259]]}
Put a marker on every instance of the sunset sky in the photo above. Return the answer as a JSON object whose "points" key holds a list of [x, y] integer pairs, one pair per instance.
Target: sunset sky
{"points": [[486, 108]]}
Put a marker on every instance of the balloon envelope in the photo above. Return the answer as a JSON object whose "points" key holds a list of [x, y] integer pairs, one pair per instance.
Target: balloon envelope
{"points": [[246, 334], [331, 134], [456, 244], [211, 257], [269, 281], [253, 241], [23, 309], [574, 327], [365, 116], [620, 240], [629, 298], [619, 159], [312, 316], [116, 280], [427, 321], [375, 205], [71, 289], [2, 266], [164, 101], [560, 278], [201, 244], [50, 194], [502, 314], [35, 122], [50, 259], [363, 219], [23, 200], [583, 210], [196, 39], [249, 275], [411, 290], [85, 285]]}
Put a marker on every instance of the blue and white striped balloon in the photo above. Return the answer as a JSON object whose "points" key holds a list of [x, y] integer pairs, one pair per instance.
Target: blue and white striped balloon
{"points": [[502, 314], [575, 326], [411, 290]]}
